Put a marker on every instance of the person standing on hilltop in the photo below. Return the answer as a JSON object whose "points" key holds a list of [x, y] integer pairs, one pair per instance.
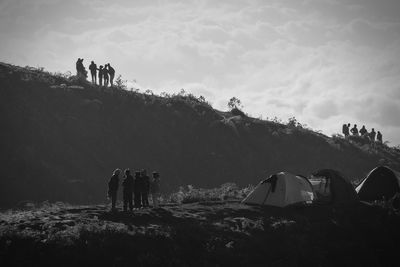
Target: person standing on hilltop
{"points": [[372, 135], [155, 188], [111, 72], [138, 190], [101, 74], [80, 69], [105, 75], [379, 137], [345, 130], [93, 70], [363, 131], [113, 185], [354, 130], [145, 188], [128, 185]]}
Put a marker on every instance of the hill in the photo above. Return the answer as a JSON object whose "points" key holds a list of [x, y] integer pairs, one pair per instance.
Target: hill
{"points": [[200, 234], [62, 137]]}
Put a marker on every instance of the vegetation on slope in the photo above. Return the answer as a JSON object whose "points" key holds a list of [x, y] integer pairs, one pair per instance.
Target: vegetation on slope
{"points": [[62, 137]]}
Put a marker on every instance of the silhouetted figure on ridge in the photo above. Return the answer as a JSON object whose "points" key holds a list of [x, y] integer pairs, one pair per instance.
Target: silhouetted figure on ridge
{"points": [[101, 74], [145, 188], [111, 72], [138, 190], [372, 135], [105, 75], [354, 130], [128, 185], [345, 130], [155, 188], [80, 69], [113, 185], [93, 72], [363, 131], [379, 137]]}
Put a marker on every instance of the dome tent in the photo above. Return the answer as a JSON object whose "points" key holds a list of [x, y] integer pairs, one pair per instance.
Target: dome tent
{"points": [[380, 182], [332, 187], [281, 190]]}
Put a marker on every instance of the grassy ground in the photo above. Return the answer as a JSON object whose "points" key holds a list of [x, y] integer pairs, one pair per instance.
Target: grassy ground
{"points": [[199, 234]]}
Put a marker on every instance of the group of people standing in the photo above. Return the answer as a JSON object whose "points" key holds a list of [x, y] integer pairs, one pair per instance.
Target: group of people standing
{"points": [[135, 190], [363, 132], [105, 74]]}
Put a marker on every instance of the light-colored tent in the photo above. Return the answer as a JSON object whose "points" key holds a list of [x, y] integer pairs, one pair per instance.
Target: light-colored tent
{"points": [[381, 182], [280, 190]]}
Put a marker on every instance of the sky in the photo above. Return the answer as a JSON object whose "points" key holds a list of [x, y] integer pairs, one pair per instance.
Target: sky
{"points": [[325, 62]]}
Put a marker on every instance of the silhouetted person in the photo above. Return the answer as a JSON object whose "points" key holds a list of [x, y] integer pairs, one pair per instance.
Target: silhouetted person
{"points": [[128, 185], [138, 189], [93, 72], [363, 131], [101, 74], [354, 130], [145, 188], [345, 130], [80, 69], [111, 72], [155, 188], [113, 187], [372, 135], [105, 75], [379, 137]]}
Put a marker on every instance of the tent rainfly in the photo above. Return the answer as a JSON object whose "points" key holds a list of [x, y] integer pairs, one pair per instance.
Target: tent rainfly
{"points": [[381, 182], [281, 190], [331, 187]]}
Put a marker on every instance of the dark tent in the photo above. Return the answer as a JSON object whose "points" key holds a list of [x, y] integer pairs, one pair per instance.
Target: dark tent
{"points": [[333, 187], [380, 182]]}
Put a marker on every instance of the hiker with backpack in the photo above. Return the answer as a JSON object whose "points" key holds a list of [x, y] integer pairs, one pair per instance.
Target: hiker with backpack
{"points": [[111, 72], [93, 72], [113, 185], [80, 69], [155, 189], [345, 130], [128, 186]]}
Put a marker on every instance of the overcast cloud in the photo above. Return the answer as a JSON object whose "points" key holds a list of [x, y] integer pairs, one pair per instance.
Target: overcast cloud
{"points": [[326, 62]]}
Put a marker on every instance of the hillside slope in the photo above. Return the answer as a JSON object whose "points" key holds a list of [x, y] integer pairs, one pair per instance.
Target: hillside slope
{"points": [[61, 143]]}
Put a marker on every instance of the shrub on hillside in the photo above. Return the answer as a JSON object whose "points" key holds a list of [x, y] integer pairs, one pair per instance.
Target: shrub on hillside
{"points": [[190, 194]]}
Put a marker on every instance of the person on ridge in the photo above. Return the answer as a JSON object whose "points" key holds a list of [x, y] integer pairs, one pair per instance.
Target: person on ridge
{"points": [[354, 130], [113, 188], [155, 189], [111, 71], [145, 188], [345, 130], [138, 190], [80, 69], [93, 72], [101, 74], [127, 185], [363, 131], [105, 75], [372, 135], [379, 137]]}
